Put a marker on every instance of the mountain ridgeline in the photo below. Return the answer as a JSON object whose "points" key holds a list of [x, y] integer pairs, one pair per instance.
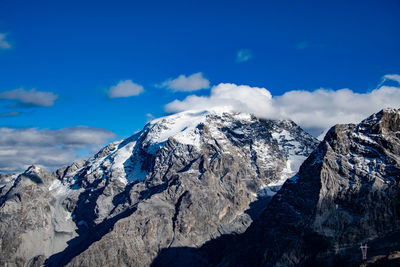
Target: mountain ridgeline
{"points": [[213, 188]]}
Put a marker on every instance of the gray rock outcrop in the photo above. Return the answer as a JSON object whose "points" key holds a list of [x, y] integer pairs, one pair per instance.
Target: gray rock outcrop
{"points": [[33, 223]]}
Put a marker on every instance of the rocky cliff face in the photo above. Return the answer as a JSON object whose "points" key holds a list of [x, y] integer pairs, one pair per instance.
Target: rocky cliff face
{"points": [[33, 222], [181, 181], [346, 193]]}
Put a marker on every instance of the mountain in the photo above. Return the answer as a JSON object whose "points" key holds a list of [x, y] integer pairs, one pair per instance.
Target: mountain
{"points": [[345, 194], [182, 181]]}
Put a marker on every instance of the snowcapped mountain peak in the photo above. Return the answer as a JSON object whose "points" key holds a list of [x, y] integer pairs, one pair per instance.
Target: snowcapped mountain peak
{"points": [[135, 158], [391, 110], [34, 170], [124, 159], [184, 126]]}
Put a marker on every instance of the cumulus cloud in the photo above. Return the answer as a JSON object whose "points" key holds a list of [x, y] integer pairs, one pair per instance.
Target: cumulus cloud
{"points": [[20, 148], [315, 111], [322, 108], [241, 98], [244, 55], [193, 82], [125, 88], [32, 98], [3, 43]]}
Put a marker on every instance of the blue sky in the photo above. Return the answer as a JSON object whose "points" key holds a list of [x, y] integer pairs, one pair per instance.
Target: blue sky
{"points": [[78, 50]]}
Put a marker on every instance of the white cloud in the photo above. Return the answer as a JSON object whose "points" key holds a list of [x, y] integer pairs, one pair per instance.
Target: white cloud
{"points": [[125, 88], [244, 55], [193, 82], [3, 43], [20, 148], [321, 109], [315, 111], [242, 98], [31, 97]]}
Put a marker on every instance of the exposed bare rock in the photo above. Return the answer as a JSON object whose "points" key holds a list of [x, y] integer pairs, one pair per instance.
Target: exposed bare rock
{"points": [[33, 223]]}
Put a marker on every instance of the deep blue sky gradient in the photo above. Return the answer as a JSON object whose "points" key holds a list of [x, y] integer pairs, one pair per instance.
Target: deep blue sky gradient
{"points": [[78, 49]]}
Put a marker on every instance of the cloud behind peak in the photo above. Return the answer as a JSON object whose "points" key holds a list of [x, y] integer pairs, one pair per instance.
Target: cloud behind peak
{"points": [[315, 110]]}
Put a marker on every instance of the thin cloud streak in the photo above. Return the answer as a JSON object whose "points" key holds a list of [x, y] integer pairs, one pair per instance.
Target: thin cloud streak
{"points": [[244, 55], [30, 98], [3, 43], [10, 114], [391, 77], [20, 148], [302, 45]]}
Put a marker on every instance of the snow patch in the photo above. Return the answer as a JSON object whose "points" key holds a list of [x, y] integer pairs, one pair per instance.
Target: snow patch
{"points": [[7, 180], [58, 189], [119, 157], [136, 173], [183, 127], [364, 137], [294, 159], [268, 190]]}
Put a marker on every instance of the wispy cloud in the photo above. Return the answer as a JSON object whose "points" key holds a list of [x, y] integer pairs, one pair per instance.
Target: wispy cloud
{"points": [[184, 83], [10, 114], [391, 77], [3, 43], [313, 110], [149, 117], [20, 148], [125, 88], [244, 55], [32, 98], [302, 45]]}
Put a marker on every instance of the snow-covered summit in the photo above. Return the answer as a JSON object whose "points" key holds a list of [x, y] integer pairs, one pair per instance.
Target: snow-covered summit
{"points": [[34, 170], [135, 158], [184, 126]]}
